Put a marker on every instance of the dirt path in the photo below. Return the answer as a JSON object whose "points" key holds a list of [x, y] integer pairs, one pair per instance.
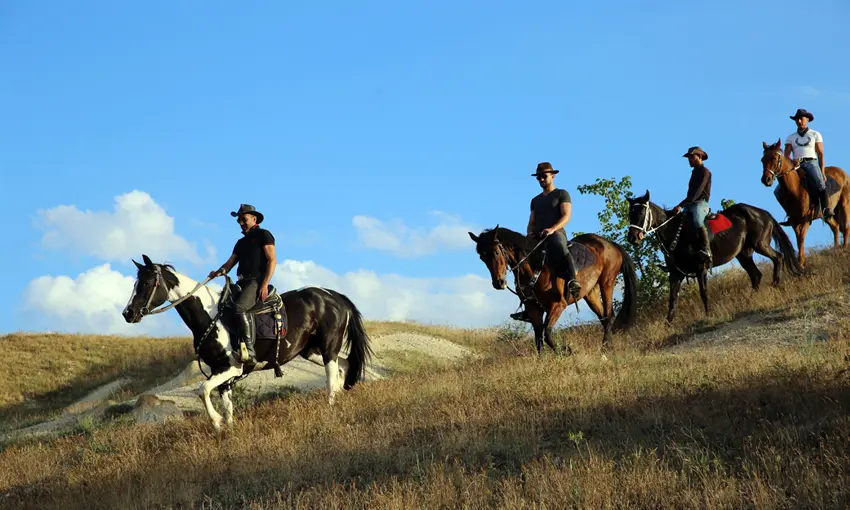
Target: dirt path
{"points": [[298, 375]]}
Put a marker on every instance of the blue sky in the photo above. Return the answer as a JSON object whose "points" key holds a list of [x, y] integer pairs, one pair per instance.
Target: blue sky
{"points": [[418, 118]]}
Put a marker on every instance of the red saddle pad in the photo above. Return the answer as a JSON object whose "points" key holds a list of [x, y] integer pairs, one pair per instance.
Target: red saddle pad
{"points": [[719, 223]]}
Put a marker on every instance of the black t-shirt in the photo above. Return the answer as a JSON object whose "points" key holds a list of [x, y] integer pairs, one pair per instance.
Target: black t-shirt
{"points": [[250, 254], [547, 208]]}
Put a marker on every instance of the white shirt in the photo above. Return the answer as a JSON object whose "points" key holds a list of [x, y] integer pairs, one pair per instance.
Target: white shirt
{"points": [[804, 146]]}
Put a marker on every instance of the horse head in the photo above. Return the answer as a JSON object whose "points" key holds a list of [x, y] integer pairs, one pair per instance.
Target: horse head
{"points": [[492, 252], [153, 283], [639, 218], [771, 162]]}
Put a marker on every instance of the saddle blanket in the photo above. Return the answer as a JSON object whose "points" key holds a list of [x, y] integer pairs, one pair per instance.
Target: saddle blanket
{"points": [[718, 223], [582, 256]]}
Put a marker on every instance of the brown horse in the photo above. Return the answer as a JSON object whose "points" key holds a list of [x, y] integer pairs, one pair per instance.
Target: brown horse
{"points": [[598, 262], [794, 197]]}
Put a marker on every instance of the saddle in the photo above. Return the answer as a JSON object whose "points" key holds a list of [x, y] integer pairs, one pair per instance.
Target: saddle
{"points": [[268, 318], [716, 222]]}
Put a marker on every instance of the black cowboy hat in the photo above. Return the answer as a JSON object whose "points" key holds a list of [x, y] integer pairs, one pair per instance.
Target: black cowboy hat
{"points": [[802, 113], [696, 150], [543, 168], [248, 209]]}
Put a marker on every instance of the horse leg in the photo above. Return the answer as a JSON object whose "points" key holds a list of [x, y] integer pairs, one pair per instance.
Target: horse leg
{"points": [[800, 231], [745, 258], [703, 290], [552, 318], [764, 248], [213, 382], [226, 392], [675, 283], [535, 315], [594, 301], [833, 225]]}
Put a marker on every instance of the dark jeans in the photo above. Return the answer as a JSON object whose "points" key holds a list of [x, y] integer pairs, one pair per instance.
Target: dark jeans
{"points": [[248, 297], [558, 256]]}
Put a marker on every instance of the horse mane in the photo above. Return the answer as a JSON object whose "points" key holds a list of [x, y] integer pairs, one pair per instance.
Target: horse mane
{"points": [[508, 237]]}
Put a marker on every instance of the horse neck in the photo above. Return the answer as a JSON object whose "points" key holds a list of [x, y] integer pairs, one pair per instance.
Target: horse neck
{"points": [[665, 231], [198, 310], [789, 179]]}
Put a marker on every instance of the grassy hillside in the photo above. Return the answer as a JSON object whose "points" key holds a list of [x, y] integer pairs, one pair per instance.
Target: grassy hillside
{"points": [[747, 408]]}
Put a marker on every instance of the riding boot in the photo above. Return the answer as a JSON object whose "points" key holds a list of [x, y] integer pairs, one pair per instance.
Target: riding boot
{"points": [[570, 278], [705, 248], [245, 333], [824, 203]]}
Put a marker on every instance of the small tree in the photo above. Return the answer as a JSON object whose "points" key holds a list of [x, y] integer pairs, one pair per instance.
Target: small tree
{"points": [[614, 221], [726, 203]]}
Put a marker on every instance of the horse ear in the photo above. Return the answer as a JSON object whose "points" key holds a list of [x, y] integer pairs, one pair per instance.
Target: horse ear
{"points": [[473, 237], [646, 196], [496, 235], [779, 142], [764, 144], [137, 264], [147, 260]]}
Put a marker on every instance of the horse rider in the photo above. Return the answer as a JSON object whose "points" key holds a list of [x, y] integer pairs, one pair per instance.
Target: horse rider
{"points": [[255, 254], [807, 146], [550, 212], [695, 203]]}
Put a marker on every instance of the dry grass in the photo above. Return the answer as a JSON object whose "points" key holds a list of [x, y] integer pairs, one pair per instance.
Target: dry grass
{"points": [[50, 371], [762, 425]]}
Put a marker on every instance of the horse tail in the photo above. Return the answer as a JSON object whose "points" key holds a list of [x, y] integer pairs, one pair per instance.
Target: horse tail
{"points": [[789, 257], [358, 342], [628, 313]]}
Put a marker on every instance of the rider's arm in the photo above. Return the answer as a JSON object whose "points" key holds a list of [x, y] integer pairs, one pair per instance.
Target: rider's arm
{"points": [[696, 189], [788, 150], [530, 226], [566, 212], [271, 257], [819, 151], [227, 266]]}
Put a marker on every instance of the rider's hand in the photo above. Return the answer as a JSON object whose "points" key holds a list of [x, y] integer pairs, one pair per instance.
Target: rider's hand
{"points": [[546, 232], [264, 292], [214, 273], [677, 209]]}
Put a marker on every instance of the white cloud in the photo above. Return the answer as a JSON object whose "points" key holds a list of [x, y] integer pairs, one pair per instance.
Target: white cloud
{"points": [[397, 238], [90, 303], [136, 225]]}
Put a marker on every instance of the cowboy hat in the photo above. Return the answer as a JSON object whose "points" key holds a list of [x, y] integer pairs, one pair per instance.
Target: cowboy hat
{"points": [[802, 113], [248, 209], [543, 168], [696, 150]]}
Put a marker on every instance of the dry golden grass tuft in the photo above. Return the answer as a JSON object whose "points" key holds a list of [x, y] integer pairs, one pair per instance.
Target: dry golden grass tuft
{"points": [[762, 424]]}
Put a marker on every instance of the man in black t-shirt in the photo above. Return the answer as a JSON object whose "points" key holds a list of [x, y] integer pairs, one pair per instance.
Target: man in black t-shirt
{"points": [[550, 213], [255, 254]]}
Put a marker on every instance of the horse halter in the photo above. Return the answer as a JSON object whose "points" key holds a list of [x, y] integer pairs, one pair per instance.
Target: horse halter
{"points": [[779, 173], [160, 282], [647, 221]]}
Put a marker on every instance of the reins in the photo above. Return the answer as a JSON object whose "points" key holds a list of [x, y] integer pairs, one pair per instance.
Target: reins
{"points": [[647, 223], [779, 174], [147, 311]]}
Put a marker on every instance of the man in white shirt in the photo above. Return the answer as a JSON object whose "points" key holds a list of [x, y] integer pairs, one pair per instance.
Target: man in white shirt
{"points": [[806, 144]]}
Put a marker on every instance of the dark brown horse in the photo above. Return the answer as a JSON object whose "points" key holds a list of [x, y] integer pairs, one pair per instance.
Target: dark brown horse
{"points": [[598, 262], [737, 232], [795, 198]]}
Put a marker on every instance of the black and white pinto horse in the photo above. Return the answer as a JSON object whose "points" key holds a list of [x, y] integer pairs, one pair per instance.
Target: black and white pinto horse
{"points": [[320, 323]]}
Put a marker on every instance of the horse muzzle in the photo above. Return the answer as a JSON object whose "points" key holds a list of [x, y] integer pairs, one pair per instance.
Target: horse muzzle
{"points": [[500, 284], [131, 316], [767, 180]]}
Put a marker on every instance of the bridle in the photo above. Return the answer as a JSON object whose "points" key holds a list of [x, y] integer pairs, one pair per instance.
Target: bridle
{"points": [[779, 173], [647, 229], [160, 283], [519, 292], [647, 220]]}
